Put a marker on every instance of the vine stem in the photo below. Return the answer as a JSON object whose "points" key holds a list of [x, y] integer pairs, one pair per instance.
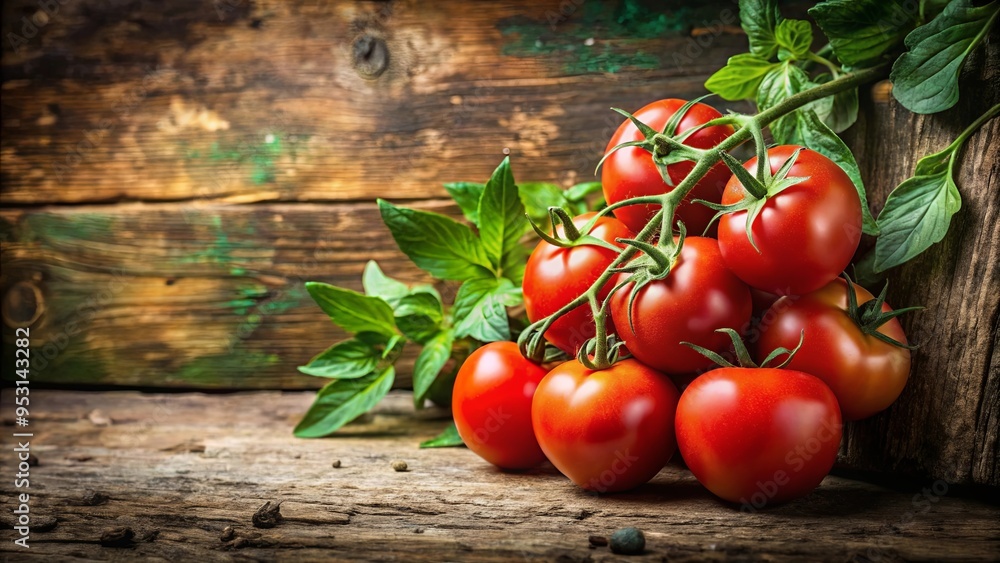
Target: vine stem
{"points": [[673, 198]]}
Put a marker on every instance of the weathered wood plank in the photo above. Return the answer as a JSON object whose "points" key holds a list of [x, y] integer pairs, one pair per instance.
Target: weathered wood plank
{"points": [[178, 469], [947, 422], [175, 295], [265, 100]]}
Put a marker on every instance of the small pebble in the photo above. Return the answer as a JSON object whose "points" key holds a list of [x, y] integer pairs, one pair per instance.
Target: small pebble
{"points": [[628, 541], [598, 541], [399, 465], [227, 533], [336, 464]]}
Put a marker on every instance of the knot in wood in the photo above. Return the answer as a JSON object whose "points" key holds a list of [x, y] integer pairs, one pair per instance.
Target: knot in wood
{"points": [[370, 56]]}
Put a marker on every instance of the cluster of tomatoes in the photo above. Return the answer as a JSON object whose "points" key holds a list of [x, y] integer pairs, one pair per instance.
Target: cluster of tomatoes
{"points": [[749, 434]]}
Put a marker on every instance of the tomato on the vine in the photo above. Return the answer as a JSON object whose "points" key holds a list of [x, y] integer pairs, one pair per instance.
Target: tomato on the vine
{"points": [[630, 172], [608, 430], [491, 403], [698, 296], [805, 234], [758, 435], [865, 373], [555, 276]]}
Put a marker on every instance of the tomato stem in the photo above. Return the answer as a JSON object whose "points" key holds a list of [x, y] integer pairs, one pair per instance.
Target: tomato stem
{"points": [[530, 339]]}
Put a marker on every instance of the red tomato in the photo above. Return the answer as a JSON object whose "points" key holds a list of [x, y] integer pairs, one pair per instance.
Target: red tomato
{"points": [[555, 276], [608, 430], [491, 403], [806, 234], [865, 373], [630, 172], [699, 296], [758, 435]]}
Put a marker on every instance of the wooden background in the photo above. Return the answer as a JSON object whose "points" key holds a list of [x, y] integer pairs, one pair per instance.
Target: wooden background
{"points": [[172, 173]]}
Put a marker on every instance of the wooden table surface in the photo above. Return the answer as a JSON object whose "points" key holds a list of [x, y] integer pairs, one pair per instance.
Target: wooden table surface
{"points": [[177, 469]]}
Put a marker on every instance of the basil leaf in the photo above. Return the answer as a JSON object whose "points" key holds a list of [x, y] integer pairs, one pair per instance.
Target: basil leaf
{"points": [[480, 309], [467, 195], [759, 18], [916, 215], [781, 82], [501, 218], [448, 438], [377, 284], [419, 316], [925, 79], [429, 363], [353, 311], [844, 109], [862, 31], [343, 400], [345, 360], [808, 130], [740, 78], [794, 35], [444, 248], [537, 197], [579, 192]]}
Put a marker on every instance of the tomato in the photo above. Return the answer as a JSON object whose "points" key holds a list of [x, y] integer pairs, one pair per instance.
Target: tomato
{"points": [[555, 276], [758, 435], [865, 373], [806, 234], [629, 172], [699, 296], [491, 403], [608, 430]]}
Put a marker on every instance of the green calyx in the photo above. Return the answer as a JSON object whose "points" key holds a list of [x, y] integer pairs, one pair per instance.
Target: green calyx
{"points": [[759, 188], [571, 235], [666, 146], [656, 263], [869, 315], [743, 355]]}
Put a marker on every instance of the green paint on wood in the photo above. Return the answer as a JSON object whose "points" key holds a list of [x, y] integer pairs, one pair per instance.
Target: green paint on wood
{"points": [[594, 37], [224, 370]]}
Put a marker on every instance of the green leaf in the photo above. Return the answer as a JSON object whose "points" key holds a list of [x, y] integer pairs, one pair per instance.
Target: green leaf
{"points": [[759, 19], [501, 218], [480, 309], [794, 35], [444, 248], [843, 112], [780, 83], [537, 197], [343, 400], [378, 284], [580, 192], [448, 438], [925, 79], [346, 360], [353, 311], [862, 31], [429, 363], [916, 215], [740, 78], [808, 130], [419, 316], [467, 195]]}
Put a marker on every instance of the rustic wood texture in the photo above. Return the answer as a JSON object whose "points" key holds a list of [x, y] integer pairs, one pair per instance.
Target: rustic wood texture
{"points": [[266, 103], [947, 421], [178, 469], [189, 97]]}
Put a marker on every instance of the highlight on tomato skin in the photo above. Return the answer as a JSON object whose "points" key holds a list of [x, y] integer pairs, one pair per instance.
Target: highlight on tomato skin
{"points": [[866, 374], [629, 172], [491, 404], [697, 297], [555, 276], [609, 430], [758, 436]]}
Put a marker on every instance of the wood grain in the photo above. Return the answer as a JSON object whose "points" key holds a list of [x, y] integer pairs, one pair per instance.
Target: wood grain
{"points": [[263, 101], [947, 421], [177, 295], [178, 469]]}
